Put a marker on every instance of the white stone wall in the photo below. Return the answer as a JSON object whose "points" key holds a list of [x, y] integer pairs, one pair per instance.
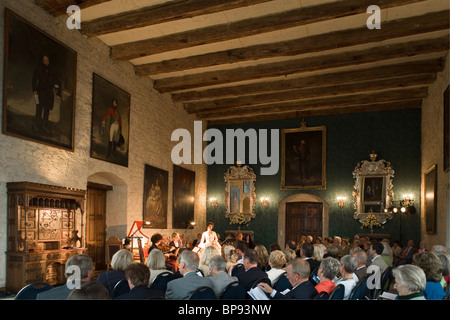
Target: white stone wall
{"points": [[153, 118], [432, 153]]}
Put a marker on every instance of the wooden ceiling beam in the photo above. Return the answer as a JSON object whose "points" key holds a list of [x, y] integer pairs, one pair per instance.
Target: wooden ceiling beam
{"points": [[313, 92], [322, 102], [160, 13], [59, 7], [361, 74], [300, 65], [336, 39], [371, 107], [248, 27]]}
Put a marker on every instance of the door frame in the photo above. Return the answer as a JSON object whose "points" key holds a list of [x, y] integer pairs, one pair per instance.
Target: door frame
{"points": [[300, 197]]}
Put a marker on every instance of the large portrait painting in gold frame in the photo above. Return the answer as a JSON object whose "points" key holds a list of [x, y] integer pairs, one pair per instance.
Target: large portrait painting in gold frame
{"points": [[303, 158]]}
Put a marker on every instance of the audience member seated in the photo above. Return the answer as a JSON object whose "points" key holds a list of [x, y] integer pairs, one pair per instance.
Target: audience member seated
{"points": [[274, 246], [156, 262], [347, 267], [410, 282], [240, 249], [290, 254], [407, 255], [137, 275], [318, 253], [432, 266], [328, 271], [376, 260], [396, 252], [85, 265], [333, 252], [92, 290], [182, 288], [306, 253], [247, 238], [119, 262], [387, 253], [230, 256], [345, 247], [277, 260], [252, 271], [361, 259], [297, 272], [263, 256], [445, 258], [209, 253], [422, 247], [219, 277]]}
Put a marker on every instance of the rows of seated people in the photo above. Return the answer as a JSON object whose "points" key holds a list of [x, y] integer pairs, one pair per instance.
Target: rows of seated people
{"points": [[330, 268]]}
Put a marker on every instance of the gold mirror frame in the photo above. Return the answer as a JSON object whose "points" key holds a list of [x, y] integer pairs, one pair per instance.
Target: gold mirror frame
{"points": [[240, 196], [373, 189]]}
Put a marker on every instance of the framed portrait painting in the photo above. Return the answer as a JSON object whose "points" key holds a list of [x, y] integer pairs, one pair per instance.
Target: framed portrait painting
{"points": [[156, 186], [303, 158], [183, 197], [39, 85], [430, 199], [110, 122]]}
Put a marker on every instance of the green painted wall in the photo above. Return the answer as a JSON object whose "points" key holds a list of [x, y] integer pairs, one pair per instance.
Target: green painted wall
{"points": [[394, 135]]}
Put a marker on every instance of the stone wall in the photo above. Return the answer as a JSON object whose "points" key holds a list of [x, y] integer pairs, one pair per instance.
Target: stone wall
{"points": [[432, 154], [153, 118]]}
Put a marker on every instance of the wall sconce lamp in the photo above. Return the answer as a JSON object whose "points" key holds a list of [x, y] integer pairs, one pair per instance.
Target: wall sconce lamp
{"points": [[192, 224], [264, 201], [341, 201], [213, 202]]}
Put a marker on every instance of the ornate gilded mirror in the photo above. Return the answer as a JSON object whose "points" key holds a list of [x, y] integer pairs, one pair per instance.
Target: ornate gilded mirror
{"points": [[240, 194], [373, 189]]}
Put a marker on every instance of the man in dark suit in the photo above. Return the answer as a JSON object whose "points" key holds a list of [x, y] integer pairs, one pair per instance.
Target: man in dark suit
{"points": [[306, 253], [297, 272], [138, 275], [252, 271]]}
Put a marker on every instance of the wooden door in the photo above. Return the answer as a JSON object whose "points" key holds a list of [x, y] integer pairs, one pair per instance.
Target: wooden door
{"points": [[303, 219], [96, 226]]}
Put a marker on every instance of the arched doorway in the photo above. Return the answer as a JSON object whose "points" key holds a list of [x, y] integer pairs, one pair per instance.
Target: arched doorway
{"points": [[290, 201]]}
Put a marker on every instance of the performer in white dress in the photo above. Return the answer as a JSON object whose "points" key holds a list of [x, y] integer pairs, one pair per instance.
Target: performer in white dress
{"points": [[209, 238]]}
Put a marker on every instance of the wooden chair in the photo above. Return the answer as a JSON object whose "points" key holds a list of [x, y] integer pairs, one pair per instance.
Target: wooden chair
{"points": [[113, 244]]}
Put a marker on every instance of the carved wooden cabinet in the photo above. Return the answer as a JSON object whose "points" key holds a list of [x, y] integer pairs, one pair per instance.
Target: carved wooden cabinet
{"points": [[43, 226]]}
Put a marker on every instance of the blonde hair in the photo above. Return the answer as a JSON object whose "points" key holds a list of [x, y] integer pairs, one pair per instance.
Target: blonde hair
{"points": [[277, 259], [121, 259]]}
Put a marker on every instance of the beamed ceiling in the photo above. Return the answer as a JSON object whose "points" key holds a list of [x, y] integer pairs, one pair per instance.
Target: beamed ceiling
{"points": [[234, 61]]}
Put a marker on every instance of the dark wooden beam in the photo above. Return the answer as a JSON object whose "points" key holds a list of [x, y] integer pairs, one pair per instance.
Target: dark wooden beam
{"points": [[336, 39], [317, 103], [300, 65], [248, 27], [371, 107], [312, 92], [160, 13], [329, 78], [59, 7]]}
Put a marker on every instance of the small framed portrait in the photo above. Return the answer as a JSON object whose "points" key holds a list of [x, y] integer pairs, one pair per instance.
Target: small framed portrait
{"points": [[110, 122], [303, 158], [39, 85], [156, 186], [183, 197]]}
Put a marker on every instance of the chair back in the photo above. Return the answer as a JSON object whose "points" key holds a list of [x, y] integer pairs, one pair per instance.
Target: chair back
{"points": [[360, 291], [203, 293], [282, 284], [233, 291], [161, 280], [29, 292], [322, 296], [263, 279], [237, 269], [338, 293], [120, 288]]}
